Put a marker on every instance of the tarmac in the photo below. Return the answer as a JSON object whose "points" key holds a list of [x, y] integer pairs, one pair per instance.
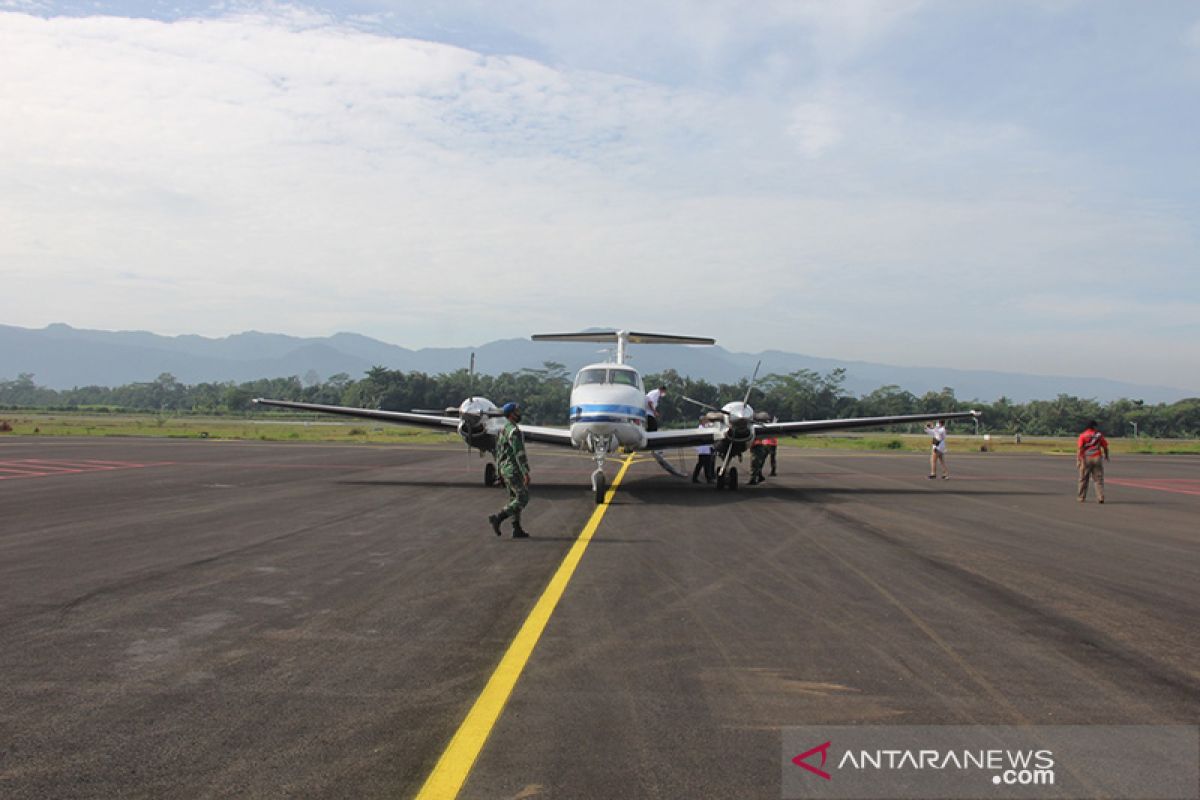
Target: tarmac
{"points": [[185, 618]]}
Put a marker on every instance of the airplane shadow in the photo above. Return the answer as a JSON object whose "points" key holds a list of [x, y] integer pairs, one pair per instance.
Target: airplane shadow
{"points": [[706, 495], [663, 491]]}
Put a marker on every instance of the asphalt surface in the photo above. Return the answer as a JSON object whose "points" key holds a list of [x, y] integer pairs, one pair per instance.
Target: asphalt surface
{"points": [[217, 619]]}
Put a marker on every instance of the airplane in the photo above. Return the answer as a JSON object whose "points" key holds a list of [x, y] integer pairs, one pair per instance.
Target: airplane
{"points": [[608, 413]]}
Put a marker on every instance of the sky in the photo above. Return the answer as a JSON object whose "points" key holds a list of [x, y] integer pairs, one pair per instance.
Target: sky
{"points": [[992, 184]]}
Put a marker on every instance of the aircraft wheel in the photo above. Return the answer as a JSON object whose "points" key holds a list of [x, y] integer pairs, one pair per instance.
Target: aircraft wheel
{"points": [[721, 481], [600, 485], [489, 475], [732, 482]]}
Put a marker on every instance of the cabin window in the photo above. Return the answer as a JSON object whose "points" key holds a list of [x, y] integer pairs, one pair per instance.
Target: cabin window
{"points": [[590, 376]]}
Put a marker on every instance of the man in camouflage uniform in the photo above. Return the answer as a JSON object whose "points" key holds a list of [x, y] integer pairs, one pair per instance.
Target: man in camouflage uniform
{"points": [[514, 471], [758, 457]]}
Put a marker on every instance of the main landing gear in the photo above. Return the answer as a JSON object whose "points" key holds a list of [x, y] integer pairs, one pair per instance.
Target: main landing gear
{"points": [[489, 474]]}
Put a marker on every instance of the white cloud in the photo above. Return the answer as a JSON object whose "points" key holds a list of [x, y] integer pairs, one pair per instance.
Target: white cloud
{"points": [[284, 171], [815, 128]]}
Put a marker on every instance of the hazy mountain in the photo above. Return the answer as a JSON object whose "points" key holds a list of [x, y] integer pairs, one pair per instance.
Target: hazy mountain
{"points": [[61, 357]]}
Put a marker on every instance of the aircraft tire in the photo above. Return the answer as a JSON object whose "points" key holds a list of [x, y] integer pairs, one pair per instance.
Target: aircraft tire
{"points": [[732, 482], [600, 486], [489, 474]]}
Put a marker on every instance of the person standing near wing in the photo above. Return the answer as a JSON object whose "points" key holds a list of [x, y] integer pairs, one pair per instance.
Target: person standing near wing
{"points": [[937, 432], [704, 459], [513, 467]]}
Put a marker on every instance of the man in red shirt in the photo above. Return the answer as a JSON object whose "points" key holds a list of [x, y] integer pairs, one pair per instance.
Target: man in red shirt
{"points": [[1090, 457]]}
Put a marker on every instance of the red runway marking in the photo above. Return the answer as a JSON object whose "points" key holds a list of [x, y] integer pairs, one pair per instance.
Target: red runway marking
{"points": [[44, 468], [1174, 485]]}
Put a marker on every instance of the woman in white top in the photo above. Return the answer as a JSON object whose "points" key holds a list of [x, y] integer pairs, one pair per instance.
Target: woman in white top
{"points": [[937, 455]]}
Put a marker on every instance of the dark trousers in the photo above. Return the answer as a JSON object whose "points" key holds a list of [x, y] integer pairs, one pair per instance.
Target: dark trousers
{"points": [[705, 461]]}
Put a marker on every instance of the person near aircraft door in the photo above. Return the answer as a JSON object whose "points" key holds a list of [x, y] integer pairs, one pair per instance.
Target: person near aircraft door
{"points": [[1090, 457], [652, 398], [704, 459], [937, 454], [513, 467]]}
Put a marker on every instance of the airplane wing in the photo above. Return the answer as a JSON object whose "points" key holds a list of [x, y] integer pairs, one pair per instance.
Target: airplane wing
{"points": [[818, 425], [533, 433], [544, 435], [694, 437], [403, 417], [686, 437]]}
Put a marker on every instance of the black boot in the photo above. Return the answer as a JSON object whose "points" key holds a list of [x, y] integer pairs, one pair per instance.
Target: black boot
{"points": [[496, 519], [518, 531]]}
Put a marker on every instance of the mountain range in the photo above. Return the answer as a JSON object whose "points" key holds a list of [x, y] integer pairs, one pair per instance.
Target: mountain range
{"points": [[61, 357]]}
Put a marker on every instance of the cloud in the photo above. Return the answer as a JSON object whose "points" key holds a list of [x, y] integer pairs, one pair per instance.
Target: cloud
{"points": [[288, 170]]}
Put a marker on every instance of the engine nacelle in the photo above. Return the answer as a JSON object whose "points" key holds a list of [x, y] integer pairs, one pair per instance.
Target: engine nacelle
{"points": [[473, 416], [740, 418]]}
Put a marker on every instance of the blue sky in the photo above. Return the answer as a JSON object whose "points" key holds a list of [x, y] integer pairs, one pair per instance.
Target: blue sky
{"points": [[1002, 185]]}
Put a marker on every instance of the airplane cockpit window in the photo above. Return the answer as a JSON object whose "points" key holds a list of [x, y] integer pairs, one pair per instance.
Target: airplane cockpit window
{"points": [[590, 376], [625, 377]]}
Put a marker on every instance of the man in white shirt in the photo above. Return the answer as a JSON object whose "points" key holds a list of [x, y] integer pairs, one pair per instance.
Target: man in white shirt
{"points": [[652, 398], [937, 455]]}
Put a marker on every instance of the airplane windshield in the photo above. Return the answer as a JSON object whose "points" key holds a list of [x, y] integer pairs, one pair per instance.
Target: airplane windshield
{"points": [[590, 376], [624, 377]]}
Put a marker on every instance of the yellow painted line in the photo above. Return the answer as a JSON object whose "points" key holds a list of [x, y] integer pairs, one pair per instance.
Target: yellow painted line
{"points": [[448, 777]]}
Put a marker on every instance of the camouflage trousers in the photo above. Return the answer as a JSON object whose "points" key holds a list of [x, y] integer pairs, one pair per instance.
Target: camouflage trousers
{"points": [[1093, 469], [518, 493], [758, 457]]}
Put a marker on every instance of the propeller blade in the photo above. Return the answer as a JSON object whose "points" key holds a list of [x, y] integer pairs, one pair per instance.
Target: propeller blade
{"points": [[703, 405], [750, 388]]}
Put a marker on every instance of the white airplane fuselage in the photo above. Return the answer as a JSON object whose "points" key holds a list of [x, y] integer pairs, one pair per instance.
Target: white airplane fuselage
{"points": [[608, 408]]}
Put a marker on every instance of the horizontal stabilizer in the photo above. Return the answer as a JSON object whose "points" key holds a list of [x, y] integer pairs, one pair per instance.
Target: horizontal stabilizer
{"points": [[634, 337]]}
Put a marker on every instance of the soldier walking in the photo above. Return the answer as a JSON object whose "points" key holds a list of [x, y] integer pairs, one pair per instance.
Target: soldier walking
{"points": [[772, 444], [514, 470], [1090, 457], [758, 457]]}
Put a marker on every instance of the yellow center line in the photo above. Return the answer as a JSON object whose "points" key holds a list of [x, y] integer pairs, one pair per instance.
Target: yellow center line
{"points": [[452, 769]]}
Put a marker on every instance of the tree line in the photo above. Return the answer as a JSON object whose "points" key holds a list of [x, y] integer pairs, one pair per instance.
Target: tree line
{"points": [[545, 391]]}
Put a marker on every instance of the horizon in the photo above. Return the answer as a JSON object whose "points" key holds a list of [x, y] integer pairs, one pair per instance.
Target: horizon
{"points": [[1000, 186], [1184, 392]]}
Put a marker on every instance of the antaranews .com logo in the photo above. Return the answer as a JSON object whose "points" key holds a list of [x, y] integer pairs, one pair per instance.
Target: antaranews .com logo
{"points": [[975, 761], [1007, 767]]}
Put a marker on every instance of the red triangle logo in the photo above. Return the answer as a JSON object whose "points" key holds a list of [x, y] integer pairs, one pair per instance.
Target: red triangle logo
{"points": [[823, 749]]}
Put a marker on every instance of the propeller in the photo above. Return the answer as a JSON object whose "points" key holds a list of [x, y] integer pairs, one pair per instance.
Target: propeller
{"points": [[753, 378], [705, 406]]}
